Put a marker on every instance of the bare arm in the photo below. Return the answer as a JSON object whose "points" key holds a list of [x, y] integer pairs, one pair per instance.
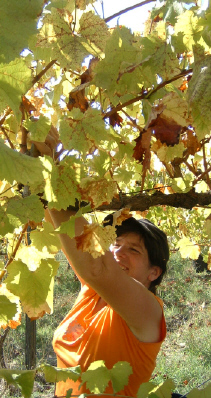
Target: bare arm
{"points": [[127, 296]]}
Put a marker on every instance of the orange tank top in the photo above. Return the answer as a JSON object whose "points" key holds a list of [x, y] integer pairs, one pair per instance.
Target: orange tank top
{"points": [[85, 336]]}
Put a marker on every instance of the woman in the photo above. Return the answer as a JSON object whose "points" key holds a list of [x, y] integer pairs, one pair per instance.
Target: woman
{"points": [[117, 316]]}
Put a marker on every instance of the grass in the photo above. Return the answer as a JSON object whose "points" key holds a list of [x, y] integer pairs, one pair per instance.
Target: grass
{"points": [[185, 356]]}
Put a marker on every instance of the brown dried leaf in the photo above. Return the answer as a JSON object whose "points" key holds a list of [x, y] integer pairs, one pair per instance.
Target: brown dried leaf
{"points": [[166, 130]]}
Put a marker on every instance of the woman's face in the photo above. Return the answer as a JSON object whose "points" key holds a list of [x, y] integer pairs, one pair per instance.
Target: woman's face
{"points": [[131, 254]]}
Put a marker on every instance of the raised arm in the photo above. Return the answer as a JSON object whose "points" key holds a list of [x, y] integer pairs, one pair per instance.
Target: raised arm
{"points": [[126, 295]]}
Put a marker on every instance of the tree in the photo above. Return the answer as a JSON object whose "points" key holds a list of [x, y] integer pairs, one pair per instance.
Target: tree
{"points": [[131, 114]]}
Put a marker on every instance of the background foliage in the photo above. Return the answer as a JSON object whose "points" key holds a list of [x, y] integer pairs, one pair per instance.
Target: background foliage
{"points": [[103, 116]]}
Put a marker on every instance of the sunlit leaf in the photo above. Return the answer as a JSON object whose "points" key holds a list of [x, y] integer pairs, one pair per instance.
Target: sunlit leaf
{"points": [[20, 378], [35, 288], [96, 377], [46, 237], [96, 239], [38, 128], [21, 26], [53, 374], [10, 309], [188, 248], [120, 375], [15, 80]]}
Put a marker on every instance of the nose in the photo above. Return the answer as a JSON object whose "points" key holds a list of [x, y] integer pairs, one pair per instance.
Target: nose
{"points": [[119, 251]]}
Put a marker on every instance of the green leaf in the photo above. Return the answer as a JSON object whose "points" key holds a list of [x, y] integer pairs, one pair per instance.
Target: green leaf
{"points": [[145, 389], [9, 306], [25, 209], [199, 92], [20, 378], [96, 377], [202, 393], [56, 34], [35, 288], [53, 374], [15, 80], [81, 4], [163, 390], [46, 238], [120, 375], [207, 226], [85, 132], [187, 23], [68, 227], [38, 128], [17, 26], [62, 188], [94, 29], [19, 167], [122, 52]]}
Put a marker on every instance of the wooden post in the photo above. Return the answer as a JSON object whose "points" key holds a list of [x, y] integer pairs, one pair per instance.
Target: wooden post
{"points": [[30, 346]]}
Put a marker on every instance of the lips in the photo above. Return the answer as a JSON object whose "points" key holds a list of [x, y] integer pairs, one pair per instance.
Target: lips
{"points": [[123, 267]]}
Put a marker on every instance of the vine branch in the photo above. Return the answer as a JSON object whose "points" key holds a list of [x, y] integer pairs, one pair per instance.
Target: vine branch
{"points": [[148, 94], [117, 14], [142, 201], [17, 245]]}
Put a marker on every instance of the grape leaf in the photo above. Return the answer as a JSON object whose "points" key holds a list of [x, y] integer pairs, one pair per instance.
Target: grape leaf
{"points": [[38, 128], [17, 26], [20, 378], [199, 89], [10, 309], [188, 248], [204, 393], [25, 209], [119, 375], [97, 191], [56, 33], [46, 238], [81, 4], [187, 23], [94, 29], [121, 52], [163, 390], [207, 227], [166, 153], [96, 239], [15, 80], [145, 389], [6, 223], [176, 108], [96, 377], [62, 187], [35, 288], [53, 374], [31, 252], [84, 133], [19, 167]]}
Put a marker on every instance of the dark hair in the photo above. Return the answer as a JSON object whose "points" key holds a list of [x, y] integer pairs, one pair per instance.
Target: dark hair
{"points": [[155, 241]]}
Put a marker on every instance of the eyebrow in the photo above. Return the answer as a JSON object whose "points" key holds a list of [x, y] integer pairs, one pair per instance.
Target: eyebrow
{"points": [[135, 245]]}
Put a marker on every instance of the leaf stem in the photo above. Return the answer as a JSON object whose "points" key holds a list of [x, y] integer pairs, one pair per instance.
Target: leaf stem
{"points": [[17, 245], [7, 137]]}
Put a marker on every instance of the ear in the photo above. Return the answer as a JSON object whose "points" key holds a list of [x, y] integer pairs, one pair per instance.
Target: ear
{"points": [[154, 273]]}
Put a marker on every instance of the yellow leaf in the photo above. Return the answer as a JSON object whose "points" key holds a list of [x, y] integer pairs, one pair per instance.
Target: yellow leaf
{"points": [[96, 239], [188, 249]]}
